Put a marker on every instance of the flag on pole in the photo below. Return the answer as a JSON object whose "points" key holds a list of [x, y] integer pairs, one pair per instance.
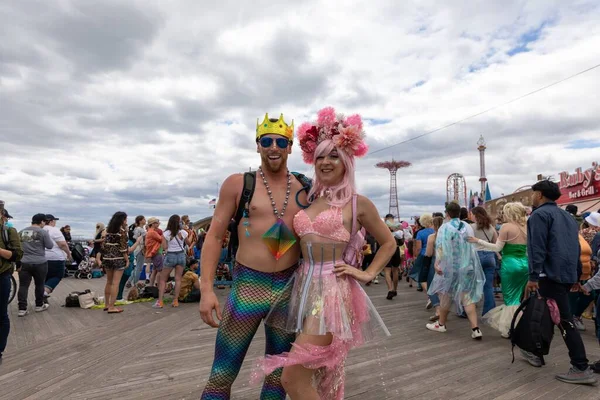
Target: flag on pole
{"points": [[488, 195], [212, 203]]}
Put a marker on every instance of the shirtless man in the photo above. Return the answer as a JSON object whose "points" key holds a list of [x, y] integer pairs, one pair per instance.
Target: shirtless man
{"points": [[261, 271]]}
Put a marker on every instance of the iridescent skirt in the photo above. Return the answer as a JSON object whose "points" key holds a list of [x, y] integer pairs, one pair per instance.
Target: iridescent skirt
{"points": [[320, 303]]}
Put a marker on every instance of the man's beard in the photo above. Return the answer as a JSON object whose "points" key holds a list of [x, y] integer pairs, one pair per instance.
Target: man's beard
{"points": [[274, 166]]}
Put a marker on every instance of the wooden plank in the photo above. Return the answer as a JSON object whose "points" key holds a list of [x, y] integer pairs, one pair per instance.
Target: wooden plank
{"points": [[155, 354]]}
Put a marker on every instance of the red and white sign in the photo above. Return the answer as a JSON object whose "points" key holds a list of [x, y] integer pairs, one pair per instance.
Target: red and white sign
{"points": [[580, 186]]}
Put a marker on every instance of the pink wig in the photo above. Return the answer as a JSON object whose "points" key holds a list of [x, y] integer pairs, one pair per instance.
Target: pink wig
{"points": [[342, 193]]}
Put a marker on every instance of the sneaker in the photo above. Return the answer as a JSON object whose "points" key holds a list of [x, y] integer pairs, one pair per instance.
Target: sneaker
{"points": [[505, 336], [578, 377], [578, 322], [23, 313], [419, 289], [376, 280], [394, 293], [436, 327], [476, 334], [44, 307], [429, 305], [175, 303], [158, 304], [532, 359], [390, 295]]}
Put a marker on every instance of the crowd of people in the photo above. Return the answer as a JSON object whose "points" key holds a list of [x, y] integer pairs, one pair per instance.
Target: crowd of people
{"points": [[303, 248], [127, 252], [515, 256]]}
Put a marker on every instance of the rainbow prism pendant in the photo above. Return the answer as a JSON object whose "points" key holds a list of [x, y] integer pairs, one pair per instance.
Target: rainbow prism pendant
{"points": [[279, 239]]}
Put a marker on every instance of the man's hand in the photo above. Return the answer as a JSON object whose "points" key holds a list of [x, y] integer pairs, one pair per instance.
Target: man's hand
{"points": [[531, 287], [576, 287], [208, 303]]}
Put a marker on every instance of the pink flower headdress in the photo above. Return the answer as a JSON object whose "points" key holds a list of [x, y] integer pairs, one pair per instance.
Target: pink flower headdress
{"points": [[346, 133]]}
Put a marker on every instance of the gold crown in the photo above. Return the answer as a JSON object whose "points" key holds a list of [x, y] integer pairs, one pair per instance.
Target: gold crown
{"points": [[275, 127]]}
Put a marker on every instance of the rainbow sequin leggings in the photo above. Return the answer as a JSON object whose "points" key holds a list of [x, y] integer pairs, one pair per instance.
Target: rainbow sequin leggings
{"points": [[248, 304]]}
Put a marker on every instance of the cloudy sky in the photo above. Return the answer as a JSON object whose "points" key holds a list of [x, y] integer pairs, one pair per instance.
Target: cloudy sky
{"points": [[146, 106]]}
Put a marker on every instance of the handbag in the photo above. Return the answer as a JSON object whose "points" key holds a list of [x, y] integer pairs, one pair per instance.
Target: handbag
{"points": [[87, 299]]}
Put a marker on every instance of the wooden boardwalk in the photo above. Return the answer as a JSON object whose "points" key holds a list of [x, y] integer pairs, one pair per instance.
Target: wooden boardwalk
{"points": [[67, 353]]}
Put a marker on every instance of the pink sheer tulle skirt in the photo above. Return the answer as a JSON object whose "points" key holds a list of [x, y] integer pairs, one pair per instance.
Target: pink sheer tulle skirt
{"points": [[320, 303]]}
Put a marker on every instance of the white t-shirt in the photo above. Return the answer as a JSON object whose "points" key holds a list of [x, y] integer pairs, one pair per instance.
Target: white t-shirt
{"points": [[55, 253], [176, 244]]}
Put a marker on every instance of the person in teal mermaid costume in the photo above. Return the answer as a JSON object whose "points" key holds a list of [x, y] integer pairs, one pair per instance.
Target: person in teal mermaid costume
{"points": [[514, 271], [266, 259]]}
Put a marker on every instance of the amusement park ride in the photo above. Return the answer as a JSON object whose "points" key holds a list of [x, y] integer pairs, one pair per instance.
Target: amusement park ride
{"points": [[456, 189], [393, 166], [456, 186]]}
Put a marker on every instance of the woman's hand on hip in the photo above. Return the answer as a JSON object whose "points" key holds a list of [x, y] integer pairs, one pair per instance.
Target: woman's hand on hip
{"points": [[342, 269]]}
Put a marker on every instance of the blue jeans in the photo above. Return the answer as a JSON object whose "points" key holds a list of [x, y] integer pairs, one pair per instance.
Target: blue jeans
{"points": [[4, 320], [56, 271], [174, 259], [488, 263], [435, 300], [138, 265]]}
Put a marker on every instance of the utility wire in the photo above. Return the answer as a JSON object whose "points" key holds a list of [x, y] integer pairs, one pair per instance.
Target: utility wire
{"points": [[486, 111]]}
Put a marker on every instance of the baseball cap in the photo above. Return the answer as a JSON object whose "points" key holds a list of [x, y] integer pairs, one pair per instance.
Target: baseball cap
{"points": [[191, 261], [6, 214], [50, 217], [38, 218], [571, 208]]}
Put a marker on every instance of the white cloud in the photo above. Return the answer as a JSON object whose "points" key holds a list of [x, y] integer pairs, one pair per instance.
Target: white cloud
{"points": [[146, 108]]}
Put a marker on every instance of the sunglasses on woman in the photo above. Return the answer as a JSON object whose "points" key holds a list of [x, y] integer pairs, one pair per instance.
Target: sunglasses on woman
{"points": [[267, 142]]}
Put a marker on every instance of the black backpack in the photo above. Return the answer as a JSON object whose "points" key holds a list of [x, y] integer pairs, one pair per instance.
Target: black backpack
{"points": [[130, 232], [244, 204], [535, 329]]}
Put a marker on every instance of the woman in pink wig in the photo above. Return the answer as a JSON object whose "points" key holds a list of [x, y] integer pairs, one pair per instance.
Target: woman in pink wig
{"points": [[327, 307]]}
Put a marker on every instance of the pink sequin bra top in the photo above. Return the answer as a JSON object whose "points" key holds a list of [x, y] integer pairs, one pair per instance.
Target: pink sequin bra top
{"points": [[328, 224]]}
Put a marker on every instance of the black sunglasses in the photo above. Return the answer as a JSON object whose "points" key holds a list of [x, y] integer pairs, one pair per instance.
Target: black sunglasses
{"points": [[267, 142]]}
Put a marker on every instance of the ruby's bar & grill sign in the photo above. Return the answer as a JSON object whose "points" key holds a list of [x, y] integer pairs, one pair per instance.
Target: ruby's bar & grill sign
{"points": [[580, 186]]}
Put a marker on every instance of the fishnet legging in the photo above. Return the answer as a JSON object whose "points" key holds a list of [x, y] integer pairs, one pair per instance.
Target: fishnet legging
{"points": [[247, 305]]}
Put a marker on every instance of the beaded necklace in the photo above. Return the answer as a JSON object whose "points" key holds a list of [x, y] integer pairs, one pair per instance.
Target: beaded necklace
{"points": [[279, 238]]}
